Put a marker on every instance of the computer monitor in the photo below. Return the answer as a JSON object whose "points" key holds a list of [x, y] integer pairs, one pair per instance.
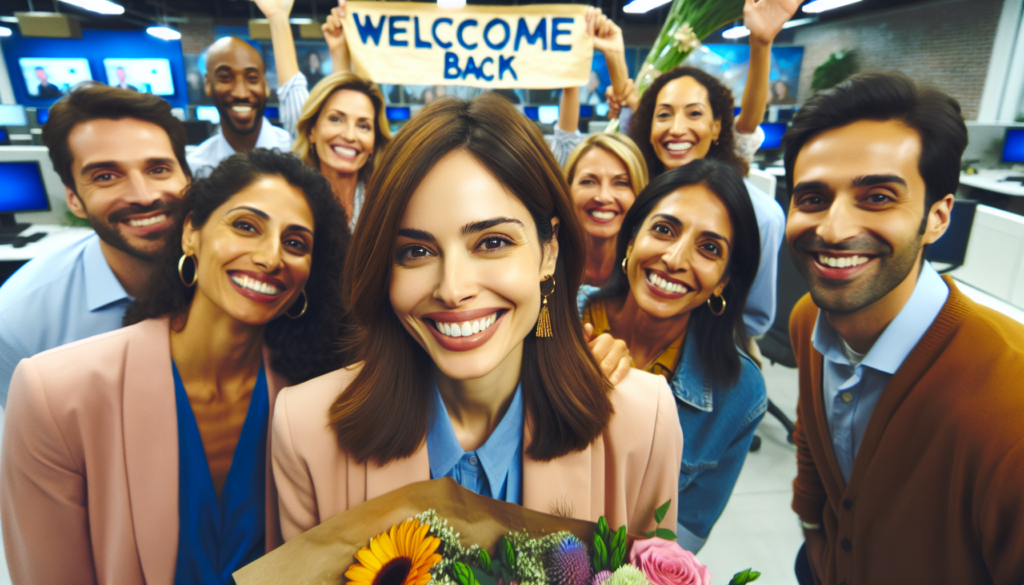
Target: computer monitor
{"points": [[547, 114], [1013, 146], [13, 115], [23, 190], [145, 75], [601, 110], [272, 112], [773, 133], [5, 138], [586, 111], [208, 113], [50, 78], [531, 112], [397, 114], [42, 115]]}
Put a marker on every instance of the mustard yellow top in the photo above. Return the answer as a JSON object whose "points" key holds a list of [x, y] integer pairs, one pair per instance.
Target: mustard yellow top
{"points": [[665, 364]]}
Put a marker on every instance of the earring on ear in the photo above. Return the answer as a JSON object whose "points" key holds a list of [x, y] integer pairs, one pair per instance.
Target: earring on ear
{"points": [[624, 260], [305, 305], [711, 307], [544, 320], [181, 271]]}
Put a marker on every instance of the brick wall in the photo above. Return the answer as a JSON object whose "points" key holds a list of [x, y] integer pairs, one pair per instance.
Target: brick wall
{"points": [[946, 44]]}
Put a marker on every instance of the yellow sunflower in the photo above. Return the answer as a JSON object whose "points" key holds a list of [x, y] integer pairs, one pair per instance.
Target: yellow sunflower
{"points": [[403, 556]]}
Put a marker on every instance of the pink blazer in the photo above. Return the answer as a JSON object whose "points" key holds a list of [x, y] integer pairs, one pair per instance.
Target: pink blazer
{"points": [[89, 470], [627, 472]]}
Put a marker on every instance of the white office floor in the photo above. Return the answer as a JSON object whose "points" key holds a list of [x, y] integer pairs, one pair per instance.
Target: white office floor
{"points": [[757, 529]]}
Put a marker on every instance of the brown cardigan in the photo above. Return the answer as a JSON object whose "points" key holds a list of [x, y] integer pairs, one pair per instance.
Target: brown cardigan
{"points": [[936, 494]]}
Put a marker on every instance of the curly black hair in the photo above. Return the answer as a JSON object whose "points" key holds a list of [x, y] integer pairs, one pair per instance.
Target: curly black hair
{"points": [[721, 108], [301, 348]]}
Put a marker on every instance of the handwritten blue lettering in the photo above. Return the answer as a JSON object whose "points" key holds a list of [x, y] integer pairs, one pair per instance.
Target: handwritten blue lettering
{"points": [[505, 64], [539, 34], [367, 30], [504, 41], [440, 43], [420, 43], [394, 30], [555, 33], [451, 61], [483, 73], [462, 27]]}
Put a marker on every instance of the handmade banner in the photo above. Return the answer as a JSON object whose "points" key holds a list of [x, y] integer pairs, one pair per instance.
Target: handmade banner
{"points": [[540, 46]]}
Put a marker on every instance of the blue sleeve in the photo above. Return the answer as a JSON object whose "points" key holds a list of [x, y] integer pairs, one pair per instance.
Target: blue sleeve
{"points": [[292, 95], [759, 313], [705, 491]]}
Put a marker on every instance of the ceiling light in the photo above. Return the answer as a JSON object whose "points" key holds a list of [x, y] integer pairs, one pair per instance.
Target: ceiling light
{"points": [[642, 6], [100, 6], [821, 5], [13, 19], [165, 33], [451, 3], [736, 32], [799, 22], [4, 31], [300, 20]]}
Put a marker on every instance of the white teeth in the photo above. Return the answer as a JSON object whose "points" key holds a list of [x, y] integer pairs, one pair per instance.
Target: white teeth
{"points": [[602, 214], [842, 261], [147, 221], [665, 285], [242, 109], [467, 328], [345, 151], [255, 285], [678, 146]]}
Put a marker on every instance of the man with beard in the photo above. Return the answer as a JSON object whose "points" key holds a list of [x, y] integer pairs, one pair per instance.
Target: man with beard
{"points": [[910, 422], [235, 81], [121, 157]]}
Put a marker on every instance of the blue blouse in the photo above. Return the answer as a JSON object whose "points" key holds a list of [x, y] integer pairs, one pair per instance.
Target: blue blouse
{"points": [[216, 538], [495, 469]]}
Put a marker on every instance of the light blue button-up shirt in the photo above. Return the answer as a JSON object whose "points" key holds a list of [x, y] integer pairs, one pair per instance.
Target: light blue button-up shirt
{"points": [[851, 392], [494, 470], [67, 295], [214, 149]]}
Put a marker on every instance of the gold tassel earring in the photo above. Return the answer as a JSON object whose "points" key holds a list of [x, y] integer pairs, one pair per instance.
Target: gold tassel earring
{"points": [[544, 320]]}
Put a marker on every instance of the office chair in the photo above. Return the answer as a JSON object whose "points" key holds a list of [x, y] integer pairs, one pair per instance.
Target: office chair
{"points": [[951, 248]]}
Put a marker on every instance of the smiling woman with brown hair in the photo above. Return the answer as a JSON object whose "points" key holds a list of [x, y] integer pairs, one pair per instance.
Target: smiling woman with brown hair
{"points": [[461, 372]]}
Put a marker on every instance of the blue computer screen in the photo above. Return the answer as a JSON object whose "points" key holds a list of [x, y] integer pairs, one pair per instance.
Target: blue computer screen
{"points": [[208, 113], [145, 75], [601, 110], [21, 188], [772, 136], [531, 112], [1013, 148], [586, 111], [13, 115], [3, 136], [272, 112], [42, 115], [398, 113]]}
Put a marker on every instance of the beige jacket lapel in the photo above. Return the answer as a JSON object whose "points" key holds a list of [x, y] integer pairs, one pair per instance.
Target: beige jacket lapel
{"points": [[396, 474], [151, 449]]}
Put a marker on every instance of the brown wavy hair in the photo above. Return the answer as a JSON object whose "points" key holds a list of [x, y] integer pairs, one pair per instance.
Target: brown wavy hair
{"points": [[384, 413], [721, 108]]}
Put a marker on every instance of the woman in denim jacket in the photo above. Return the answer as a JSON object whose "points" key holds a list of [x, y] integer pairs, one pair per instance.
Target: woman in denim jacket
{"points": [[689, 249]]}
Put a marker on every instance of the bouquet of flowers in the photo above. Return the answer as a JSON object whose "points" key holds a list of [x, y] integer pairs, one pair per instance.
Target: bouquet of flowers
{"points": [[497, 543]]}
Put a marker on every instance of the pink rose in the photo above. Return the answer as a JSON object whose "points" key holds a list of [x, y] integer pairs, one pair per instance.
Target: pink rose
{"points": [[666, 563]]}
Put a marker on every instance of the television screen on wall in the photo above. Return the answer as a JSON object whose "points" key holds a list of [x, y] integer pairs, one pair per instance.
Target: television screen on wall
{"points": [[145, 75], [51, 77]]}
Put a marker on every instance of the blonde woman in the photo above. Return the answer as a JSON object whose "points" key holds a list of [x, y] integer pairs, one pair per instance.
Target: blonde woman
{"points": [[338, 125], [605, 172]]}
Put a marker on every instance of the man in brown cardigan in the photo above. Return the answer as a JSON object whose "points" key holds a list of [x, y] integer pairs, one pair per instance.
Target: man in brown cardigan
{"points": [[910, 423]]}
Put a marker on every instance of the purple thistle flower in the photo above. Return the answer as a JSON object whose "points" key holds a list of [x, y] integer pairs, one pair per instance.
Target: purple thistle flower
{"points": [[601, 577], [568, 563]]}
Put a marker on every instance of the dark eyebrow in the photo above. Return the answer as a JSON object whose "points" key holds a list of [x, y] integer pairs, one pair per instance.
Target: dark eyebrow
{"points": [[479, 226], [263, 214], [868, 180], [811, 186], [416, 234], [300, 228], [669, 218], [110, 164], [723, 239], [358, 119]]}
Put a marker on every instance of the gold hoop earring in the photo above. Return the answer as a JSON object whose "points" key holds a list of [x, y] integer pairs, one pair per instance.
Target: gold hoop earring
{"points": [[195, 270], [711, 307], [544, 320], [305, 305], [624, 260]]}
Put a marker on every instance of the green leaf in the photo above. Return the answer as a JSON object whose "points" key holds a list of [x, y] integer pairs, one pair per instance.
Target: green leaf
{"points": [[465, 574], [484, 578], [744, 577], [666, 534], [602, 527], [601, 553], [618, 549], [648, 534], [508, 555], [659, 514], [485, 560]]}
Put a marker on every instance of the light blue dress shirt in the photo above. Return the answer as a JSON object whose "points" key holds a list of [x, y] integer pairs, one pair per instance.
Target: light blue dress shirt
{"points": [[851, 392], [67, 295], [494, 470], [214, 149]]}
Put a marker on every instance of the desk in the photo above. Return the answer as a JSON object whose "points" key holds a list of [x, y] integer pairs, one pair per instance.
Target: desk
{"points": [[992, 180], [57, 237]]}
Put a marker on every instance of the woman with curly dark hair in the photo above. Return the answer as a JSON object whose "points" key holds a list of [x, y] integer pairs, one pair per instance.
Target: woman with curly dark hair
{"points": [[142, 454]]}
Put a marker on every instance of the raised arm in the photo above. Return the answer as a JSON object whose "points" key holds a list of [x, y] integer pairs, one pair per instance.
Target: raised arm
{"points": [[334, 34], [764, 18], [569, 109], [277, 12]]}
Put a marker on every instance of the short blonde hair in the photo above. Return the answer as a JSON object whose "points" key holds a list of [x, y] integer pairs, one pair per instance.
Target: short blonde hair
{"points": [[319, 95], [621, 146]]}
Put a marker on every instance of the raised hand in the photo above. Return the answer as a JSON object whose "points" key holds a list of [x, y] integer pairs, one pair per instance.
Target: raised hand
{"points": [[334, 31], [607, 35], [272, 9], [629, 99], [765, 18]]}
